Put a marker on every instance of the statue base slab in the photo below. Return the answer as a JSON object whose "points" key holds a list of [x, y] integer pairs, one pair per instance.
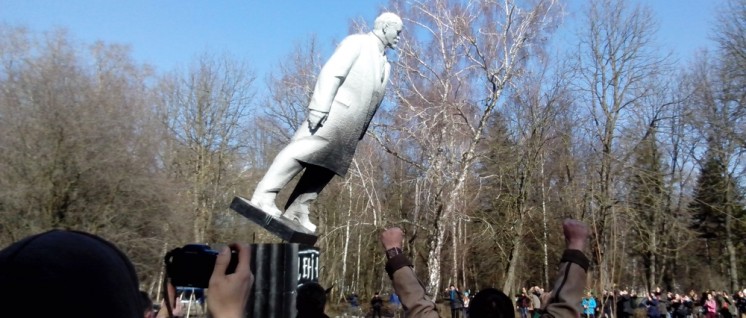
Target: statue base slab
{"points": [[285, 229]]}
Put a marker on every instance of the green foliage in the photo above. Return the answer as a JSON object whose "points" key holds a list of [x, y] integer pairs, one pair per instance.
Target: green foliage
{"points": [[714, 199]]}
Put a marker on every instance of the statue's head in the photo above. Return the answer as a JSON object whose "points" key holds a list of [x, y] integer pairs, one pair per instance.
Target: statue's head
{"points": [[388, 27]]}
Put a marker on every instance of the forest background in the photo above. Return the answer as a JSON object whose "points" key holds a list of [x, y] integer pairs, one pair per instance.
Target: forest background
{"points": [[487, 139]]}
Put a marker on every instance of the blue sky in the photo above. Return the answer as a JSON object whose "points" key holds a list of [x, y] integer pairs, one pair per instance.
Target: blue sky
{"points": [[170, 33]]}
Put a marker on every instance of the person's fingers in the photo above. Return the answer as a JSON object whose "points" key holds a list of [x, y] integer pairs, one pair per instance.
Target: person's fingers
{"points": [[171, 290], [244, 257], [391, 237], [162, 311], [229, 293], [178, 309], [392, 232], [221, 262]]}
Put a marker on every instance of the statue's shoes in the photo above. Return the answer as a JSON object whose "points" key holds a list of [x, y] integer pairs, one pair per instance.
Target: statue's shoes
{"points": [[300, 218], [267, 205]]}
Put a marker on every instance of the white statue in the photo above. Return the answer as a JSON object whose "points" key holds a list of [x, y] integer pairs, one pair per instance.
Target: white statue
{"points": [[348, 91]]}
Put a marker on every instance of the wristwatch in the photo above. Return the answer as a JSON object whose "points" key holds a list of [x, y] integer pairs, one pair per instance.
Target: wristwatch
{"points": [[390, 253]]}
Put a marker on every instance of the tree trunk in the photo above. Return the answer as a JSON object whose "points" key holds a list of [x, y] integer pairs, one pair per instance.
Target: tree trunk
{"points": [[730, 247], [346, 248], [544, 224], [515, 256], [652, 252], [464, 269], [455, 250], [448, 208], [433, 262], [356, 282]]}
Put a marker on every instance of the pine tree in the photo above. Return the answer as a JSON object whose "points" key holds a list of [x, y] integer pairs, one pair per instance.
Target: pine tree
{"points": [[647, 202], [710, 199], [718, 216]]}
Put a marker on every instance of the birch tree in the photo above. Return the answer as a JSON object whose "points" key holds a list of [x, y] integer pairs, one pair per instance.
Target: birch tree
{"points": [[454, 67]]}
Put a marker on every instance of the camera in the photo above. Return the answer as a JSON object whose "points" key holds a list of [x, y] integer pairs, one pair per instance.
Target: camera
{"points": [[193, 264]]}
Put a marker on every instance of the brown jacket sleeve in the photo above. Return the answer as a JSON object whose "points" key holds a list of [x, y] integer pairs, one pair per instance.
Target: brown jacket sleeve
{"points": [[568, 287], [410, 290]]}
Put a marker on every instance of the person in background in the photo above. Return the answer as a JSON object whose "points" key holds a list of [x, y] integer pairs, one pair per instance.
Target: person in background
{"points": [[679, 306], [709, 305], [724, 304], [663, 303], [457, 301], [689, 305], [376, 303], [467, 301], [624, 306], [354, 301], [534, 293], [697, 304], [740, 303], [608, 304], [523, 304], [651, 304], [396, 303], [589, 306]]}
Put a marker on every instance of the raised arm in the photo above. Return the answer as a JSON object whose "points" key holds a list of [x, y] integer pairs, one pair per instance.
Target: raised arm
{"points": [[410, 290], [571, 279]]}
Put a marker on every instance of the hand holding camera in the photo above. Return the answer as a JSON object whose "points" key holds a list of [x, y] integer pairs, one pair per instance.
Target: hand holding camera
{"points": [[226, 274], [193, 264], [230, 292]]}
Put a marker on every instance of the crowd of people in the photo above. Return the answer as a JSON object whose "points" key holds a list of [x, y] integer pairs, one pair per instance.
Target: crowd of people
{"points": [[617, 304], [660, 304], [623, 304], [656, 304], [91, 277]]}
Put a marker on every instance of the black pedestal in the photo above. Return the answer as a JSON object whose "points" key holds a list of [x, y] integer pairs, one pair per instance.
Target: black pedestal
{"points": [[282, 227], [278, 271]]}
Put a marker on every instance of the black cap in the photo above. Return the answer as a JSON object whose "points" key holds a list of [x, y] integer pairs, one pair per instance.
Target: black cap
{"points": [[67, 273]]}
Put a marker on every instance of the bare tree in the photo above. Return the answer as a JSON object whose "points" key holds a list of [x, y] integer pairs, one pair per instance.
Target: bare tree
{"points": [[732, 40], [204, 110], [615, 57], [290, 87], [540, 105], [730, 33], [79, 146]]}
